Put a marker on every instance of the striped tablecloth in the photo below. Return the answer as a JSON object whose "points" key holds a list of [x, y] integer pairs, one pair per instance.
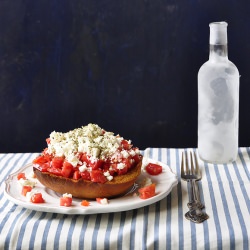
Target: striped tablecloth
{"points": [[225, 189]]}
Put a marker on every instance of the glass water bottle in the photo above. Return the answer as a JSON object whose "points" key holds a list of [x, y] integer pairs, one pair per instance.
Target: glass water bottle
{"points": [[218, 101]]}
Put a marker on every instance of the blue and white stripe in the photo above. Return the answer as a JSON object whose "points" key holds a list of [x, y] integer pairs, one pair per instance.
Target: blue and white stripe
{"points": [[225, 190]]}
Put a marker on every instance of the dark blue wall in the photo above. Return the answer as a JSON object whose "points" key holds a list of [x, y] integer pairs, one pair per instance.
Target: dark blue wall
{"points": [[129, 66]]}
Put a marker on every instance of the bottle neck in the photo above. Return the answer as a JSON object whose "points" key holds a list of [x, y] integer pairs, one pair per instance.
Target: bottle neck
{"points": [[218, 52]]}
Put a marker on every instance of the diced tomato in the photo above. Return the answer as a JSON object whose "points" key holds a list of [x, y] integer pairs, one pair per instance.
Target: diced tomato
{"points": [[122, 171], [128, 162], [21, 176], [84, 158], [98, 200], [86, 175], [147, 192], [57, 162], [47, 156], [55, 171], [122, 167], [37, 198], [67, 169], [97, 176], [26, 189], [137, 158], [95, 164], [42, 167], [153, 169], [65, 201], [76, 175], [110, 168], [126, 145], [85, 203], [40, 160]]}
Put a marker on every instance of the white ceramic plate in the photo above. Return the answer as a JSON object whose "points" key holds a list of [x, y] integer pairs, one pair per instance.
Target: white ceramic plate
{"points": [[164, 184]]}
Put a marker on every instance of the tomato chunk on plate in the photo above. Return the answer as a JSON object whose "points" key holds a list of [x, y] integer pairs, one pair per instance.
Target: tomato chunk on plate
{"points": [[21, 176], [37, 198], [153, 169], [85, 203], [147, 192], [26, 189], [65, 201]]}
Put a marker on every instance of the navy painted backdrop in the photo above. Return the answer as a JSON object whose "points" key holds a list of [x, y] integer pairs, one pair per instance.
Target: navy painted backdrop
{"points": [[129, 66]]}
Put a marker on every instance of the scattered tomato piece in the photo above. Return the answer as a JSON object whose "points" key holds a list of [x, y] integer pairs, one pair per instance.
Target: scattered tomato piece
{"points": [[21, 176], [147, 192], [85, 203], [26, 189], [39, 160], [65, 201], [37, 198], [153, 169]]}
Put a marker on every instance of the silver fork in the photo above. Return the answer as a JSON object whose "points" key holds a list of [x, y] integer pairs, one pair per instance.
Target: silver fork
{"points": [[191, 175]]}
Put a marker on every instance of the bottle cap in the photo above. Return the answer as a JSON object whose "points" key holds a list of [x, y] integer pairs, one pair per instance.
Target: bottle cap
{"points": [[218, 33]]}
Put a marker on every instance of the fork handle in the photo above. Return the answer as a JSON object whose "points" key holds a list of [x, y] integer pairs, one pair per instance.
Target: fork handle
{"points": [[191, 193], [194, 195]]}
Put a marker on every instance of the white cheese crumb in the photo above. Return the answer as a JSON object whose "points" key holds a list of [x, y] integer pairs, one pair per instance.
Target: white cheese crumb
{"points": [[31, 175], [104, 201], [125, 153], [106, 173], [137, 151], [121, 165], [110, 178], [67, 195], [146, 182], [132, 152], [83, 167], [27, 182]]}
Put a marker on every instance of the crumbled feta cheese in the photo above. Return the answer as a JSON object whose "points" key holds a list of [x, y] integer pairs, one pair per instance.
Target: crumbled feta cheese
{"points": [[132, 152], [31, 175], [121, 165], [110, 178], [91, 139], [104, 201], [83, 167], [27, 182], [95, 152], [67, 195], [146, 182], [106, 173], [137, 151], [125, 153]]}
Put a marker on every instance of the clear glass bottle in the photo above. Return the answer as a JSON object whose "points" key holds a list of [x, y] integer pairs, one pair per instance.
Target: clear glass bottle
{"points": [[218, 101]]}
